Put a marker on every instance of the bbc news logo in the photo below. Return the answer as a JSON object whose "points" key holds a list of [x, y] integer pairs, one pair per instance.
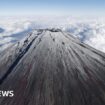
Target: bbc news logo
{"points": [[6, 93]]}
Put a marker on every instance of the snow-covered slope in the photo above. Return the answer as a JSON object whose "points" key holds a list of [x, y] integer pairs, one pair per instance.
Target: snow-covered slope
{"points": [[51, 67]]}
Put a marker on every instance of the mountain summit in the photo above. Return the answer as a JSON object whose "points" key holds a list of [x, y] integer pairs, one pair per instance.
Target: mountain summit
{"points": [[51, 67]]}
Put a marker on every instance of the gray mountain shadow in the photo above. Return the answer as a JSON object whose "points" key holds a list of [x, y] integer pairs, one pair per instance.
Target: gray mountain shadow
{"points": [[1, 30]]}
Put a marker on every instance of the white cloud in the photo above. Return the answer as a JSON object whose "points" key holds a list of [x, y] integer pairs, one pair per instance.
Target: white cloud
{"points": [[89, 30]]}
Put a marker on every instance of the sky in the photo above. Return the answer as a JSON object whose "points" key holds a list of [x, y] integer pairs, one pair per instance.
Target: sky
{"points": [[52, 7]]}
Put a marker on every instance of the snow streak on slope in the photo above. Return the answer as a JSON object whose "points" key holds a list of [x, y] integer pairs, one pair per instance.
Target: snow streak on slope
{"points": [[51, 67]]}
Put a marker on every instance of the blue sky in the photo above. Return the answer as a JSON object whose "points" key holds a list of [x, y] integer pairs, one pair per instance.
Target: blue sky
{"points": [[52, 7]]}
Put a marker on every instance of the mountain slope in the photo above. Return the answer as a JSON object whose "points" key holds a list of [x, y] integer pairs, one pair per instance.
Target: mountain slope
{"points": [[50, 67]]}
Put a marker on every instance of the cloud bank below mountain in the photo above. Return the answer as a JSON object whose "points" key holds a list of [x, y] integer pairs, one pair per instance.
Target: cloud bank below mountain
{"points": [[90, 30]]}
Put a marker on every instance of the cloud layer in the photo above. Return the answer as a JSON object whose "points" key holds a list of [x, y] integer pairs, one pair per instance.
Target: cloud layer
{"points": [[90, 30]]}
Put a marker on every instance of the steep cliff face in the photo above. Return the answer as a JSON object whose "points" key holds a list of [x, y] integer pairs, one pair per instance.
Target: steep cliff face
{"points": [[50, 67]]}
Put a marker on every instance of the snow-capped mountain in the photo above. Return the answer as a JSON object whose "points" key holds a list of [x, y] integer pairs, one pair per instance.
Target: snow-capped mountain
{"points": [[52, 67], [89, 30]]}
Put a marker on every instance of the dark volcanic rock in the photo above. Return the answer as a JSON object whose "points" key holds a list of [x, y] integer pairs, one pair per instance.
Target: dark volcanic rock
{"points": [[50, 67]]}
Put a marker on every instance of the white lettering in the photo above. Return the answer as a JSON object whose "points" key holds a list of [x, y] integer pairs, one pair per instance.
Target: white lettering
{"points": [[6, 93]]}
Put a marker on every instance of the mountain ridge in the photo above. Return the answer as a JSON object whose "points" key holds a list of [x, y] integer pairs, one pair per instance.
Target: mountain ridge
{"points": [[51, 67]]}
